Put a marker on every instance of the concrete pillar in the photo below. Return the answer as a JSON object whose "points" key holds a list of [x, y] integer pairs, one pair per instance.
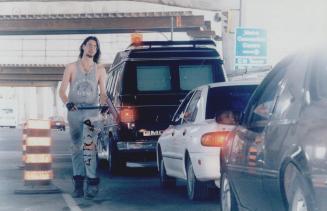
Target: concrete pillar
{"points": [[61, 108], [22, 109], [229, 52], [30, 102], [39, 102], [55, 99], [231, 19]]}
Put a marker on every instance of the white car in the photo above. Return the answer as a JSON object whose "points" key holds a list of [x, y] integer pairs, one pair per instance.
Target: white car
{"points": [[189, 148]]}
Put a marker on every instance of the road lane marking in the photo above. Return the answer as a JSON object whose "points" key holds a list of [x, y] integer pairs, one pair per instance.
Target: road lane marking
{"points": [[71, 202]]}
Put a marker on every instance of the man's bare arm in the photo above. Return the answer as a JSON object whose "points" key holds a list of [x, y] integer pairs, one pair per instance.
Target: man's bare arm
{"points": [[65, 82], [102, 85]]}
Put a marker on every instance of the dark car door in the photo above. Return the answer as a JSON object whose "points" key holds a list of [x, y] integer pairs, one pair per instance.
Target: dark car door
{"points": [[297, 118], [280, 131], [246, 159], [312, 132]]}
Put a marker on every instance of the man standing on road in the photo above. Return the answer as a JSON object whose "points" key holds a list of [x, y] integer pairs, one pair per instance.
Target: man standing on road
{"points": [[84, 77]]}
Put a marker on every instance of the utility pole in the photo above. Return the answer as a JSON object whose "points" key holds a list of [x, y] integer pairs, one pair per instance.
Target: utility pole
{"points": [[172, 28], [241, 13]]}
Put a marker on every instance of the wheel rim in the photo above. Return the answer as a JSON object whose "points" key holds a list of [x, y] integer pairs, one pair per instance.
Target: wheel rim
{"points": [[100, 150], [299, 203], [190, 181], [225, 195]]}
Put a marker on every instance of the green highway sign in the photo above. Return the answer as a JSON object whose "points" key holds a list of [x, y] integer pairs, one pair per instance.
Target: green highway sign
{"points": [[251, 47]]}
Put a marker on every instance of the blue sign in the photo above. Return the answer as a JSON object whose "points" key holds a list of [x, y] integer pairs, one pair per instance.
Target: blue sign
{"points": [[251, 47]]}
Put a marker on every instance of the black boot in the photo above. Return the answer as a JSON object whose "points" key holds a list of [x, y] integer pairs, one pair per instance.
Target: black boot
{"points": [[78, 186], [92, 187]]}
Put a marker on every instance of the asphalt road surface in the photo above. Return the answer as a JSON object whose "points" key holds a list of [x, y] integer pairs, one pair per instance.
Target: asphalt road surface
{"points": [[136, 188]]}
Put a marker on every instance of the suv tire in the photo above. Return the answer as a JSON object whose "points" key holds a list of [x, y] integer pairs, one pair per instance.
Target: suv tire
{"points": [[115, 164]]}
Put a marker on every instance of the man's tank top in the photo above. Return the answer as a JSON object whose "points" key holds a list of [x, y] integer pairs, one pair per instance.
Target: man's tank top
{"points": [[84, 88]]}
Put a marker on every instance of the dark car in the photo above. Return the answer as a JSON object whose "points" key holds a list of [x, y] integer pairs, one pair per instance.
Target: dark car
{"points": [[276, 159], [146, 83]]}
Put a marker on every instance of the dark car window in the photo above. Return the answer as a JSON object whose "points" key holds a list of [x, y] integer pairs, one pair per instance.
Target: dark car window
{"points": [[192, 109], [262, 111], [283, 104], [113, 82], [232, 98], [262, 103], [153, 78], [110, 83], [191, 76], [318, 85], [109, 79], [177, 119], [117, 88], [321, 81]]}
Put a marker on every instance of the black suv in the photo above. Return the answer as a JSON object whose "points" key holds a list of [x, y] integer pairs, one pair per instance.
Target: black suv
{"points": [[146, 83]]}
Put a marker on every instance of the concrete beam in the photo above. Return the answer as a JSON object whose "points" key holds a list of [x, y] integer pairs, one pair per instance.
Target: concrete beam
{"points": [[95, 23], [31, 69], [217, 5], [201, 34], [32, 75], [211, 5], [15, 83], [34, 69], [16, 74]]}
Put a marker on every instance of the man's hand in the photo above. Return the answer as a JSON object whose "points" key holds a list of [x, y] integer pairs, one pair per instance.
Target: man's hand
{"points": [[103, 99], [104, 109], [71, 106]]}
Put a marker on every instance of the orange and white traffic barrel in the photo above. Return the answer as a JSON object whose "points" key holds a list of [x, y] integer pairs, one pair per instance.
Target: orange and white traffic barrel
{"points": [[37, 158]]}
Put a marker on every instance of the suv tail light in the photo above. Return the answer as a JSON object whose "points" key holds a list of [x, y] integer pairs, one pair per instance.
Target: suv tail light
{"points": [[215, 139], [127, 115]]}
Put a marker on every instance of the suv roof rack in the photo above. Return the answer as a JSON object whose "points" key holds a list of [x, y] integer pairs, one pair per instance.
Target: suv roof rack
{"points": [[150, 44]]}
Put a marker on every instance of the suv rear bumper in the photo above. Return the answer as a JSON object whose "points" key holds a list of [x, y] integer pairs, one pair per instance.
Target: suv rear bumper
{"points": [[137, 150], [148, 145]]}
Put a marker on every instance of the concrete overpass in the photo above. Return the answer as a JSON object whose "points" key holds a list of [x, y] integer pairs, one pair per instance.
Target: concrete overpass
{"points": [[194, 25], [49, 24], [212, 5], [49, 75]]}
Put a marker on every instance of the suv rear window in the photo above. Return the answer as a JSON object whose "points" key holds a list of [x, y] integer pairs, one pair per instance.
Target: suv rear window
{"points": [[191, 76], [153, 78], [233, 98]]}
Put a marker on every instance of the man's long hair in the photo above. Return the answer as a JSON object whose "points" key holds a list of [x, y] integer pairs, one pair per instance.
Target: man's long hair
{"points": [[97, 54]]}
